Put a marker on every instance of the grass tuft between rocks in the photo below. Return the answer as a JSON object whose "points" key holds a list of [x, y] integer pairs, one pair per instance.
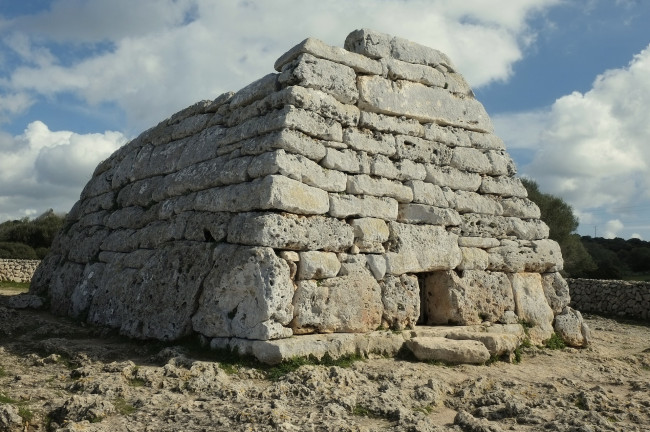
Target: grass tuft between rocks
{"points": [[555, 342]]}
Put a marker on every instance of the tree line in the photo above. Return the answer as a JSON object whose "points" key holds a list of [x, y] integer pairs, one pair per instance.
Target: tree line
{"points": [[29, 238]]}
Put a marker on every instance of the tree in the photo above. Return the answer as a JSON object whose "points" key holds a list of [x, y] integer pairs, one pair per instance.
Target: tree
{"points": [[562, 223], [37, 235]]}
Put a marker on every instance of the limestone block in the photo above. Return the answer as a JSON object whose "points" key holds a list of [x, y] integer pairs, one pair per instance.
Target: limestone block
{"points": [[320, 49], [486, 141], [318, 265], [531, 305], [427, 193], [377, 265], [543, 256], [343, 160], [162, 159], [344, 206], [139, 193], [289, 140], [207, 226], [298, 168], [255, 91], [346, 304], [478, 242], [123, 240], [470, 159], [426, 214], [102, 202], [451, 136], [370, 234], [402, 170], [364, 140], [422, 103], [332, 78], [420, 248], [87, 243], [448, 350], [62, 284], [453, 178], [85, 289], [504, 186], [471, 202], [520, 207], [421, 150], [188, 126], [365, 185], [423, 74], [473, 259], [380, 45], [498, 344], [570, 326], [288, 117], [556, 291], [456, 83], [287, 231], [476, 225], [390, 124], [475, 297], [247, 294], [400, 296], [271, 192], [199, 148], [501, 164]]}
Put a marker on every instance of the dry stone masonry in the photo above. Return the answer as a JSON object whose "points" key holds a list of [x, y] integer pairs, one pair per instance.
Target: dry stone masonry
{"points": [[354, 189], [17, 270], [629, 299]]}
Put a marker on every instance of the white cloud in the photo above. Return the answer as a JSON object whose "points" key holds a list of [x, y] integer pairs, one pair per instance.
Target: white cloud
{"points": [[42, 169], [160, 56], [613, 228]]}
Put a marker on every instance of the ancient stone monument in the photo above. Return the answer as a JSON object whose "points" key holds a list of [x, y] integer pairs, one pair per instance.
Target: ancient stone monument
{"points": [[354, 189]]}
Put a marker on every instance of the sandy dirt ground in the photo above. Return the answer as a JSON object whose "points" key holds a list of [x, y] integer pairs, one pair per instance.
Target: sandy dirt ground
{"points": [[60, 375]]}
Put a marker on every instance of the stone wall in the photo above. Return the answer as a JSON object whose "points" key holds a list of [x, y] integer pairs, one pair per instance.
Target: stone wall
{"points": [[611, 297], [17, 270]]}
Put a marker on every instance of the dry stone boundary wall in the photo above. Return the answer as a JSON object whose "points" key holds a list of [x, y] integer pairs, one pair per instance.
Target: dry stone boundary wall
{"points": [[17, 270], [355, 188], [629, 299]]}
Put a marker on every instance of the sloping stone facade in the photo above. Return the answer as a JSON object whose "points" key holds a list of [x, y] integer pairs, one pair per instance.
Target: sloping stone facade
{"points": [[354, 189]]}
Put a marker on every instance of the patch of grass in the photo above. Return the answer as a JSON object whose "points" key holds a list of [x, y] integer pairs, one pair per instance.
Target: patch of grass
{"points": [[645, 368], [3, 372], [555, 342], [427, 409], [7, 400], [580, 403], [361, 411], [15, 286], [137, 382], [229, 368], [123, 407], [96, 419], [25, 413], [517, 353], [493, 359]]}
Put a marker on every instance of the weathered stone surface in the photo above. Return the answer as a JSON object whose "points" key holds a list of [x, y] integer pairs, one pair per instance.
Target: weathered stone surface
{"points": [[421, 150], [255, 91], [470, 160], [386, 123], [520, 207], [475, 224], [318, 265], [246, 294], [556, 291], [318, 48], [427, 193], [427, 75], [365, 185], [364, 140], [420, 248], [471, 202], [426, 214], [479, 242], [399, 170], [571, 328], [498, 344], [333, 78], [475, 297], [286, 231], [473, 259], [400, 296], [504, 186], [343, 206], [299, 168], [451, 136], [377, 265], [531, 306], [370, 234], [453, 178], [342, 160], [539, 256], [289, 140], [448, 350], [271, 192], [347, 304], [426, 104]]}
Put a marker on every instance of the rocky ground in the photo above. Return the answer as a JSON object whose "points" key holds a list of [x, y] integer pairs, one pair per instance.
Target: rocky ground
{"points": [[58, 375]]}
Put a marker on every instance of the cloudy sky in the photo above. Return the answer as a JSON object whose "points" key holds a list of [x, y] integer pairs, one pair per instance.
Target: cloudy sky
{"points": [[567, 83]]}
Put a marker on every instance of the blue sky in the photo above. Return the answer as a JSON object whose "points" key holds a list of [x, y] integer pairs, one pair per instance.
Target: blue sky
{"points": [[566, 82]]}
